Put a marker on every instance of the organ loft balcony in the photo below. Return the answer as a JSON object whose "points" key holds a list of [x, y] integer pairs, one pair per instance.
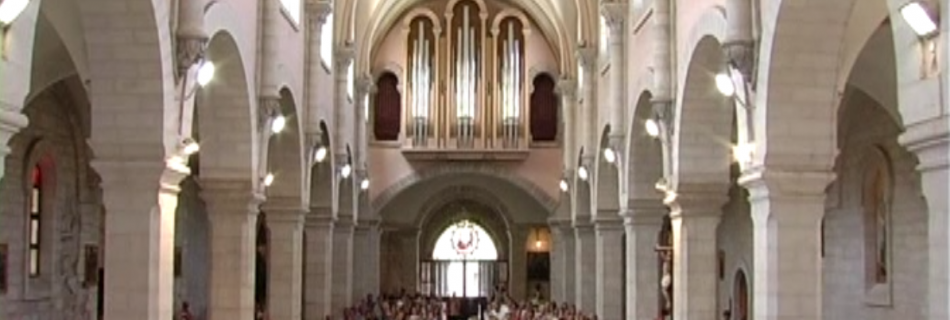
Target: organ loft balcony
{"points": [[465, 80]]}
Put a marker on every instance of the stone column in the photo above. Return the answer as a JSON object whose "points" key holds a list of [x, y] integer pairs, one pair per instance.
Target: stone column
{"points": [[318, 266], [342, 271], [585, 259], [285, 285], [695, 218], [139, 237], [518, 264], [643, 225], [929, 140], [342, 112], [587, 114], [787, 208], [317, 13], [609, 264], [232, 208], [365, 259], [562, 260], [615, 14]]}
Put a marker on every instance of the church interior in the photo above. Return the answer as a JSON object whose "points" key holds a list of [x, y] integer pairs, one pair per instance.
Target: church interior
{"points": [[624, 159]]}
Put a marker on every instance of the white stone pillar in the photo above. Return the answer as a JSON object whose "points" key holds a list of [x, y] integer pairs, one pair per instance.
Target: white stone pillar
{"points": [[232, 208], [787, 208], [585, 267], [285, 279], [929, 140], [643, 225], [695, 260], [342, 271], [615, 14], [587, 113], [139, 238], [609, 264], [568, 90], [11, 121], [317, 13], [343, 114], [318, 267]]}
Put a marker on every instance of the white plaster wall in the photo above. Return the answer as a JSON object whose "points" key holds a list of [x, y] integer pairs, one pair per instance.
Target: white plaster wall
{"points": [[844, 288]]}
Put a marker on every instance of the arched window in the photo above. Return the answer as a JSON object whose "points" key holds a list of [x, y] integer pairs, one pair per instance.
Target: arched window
{"points": [[544, 119], [35, 220], [460, 251], [326, 42], [876, 201], [387, 108]]}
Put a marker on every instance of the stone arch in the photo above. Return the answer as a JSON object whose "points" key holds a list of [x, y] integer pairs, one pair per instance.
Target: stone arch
{"points": [[226, 146], [644, 154], [701, 143], [607, 192], [321, 180], [285, 152], [486, 209], [441, 171]]}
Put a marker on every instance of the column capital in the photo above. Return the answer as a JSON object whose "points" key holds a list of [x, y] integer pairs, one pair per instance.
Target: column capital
{"points": [[930, 141], [319, 10], [343, 57], [765, 183], [231, 192], [312, 221], [608, 224], [587, 57], [190, 49], [615, 14], [566, 87], [698, 200]]}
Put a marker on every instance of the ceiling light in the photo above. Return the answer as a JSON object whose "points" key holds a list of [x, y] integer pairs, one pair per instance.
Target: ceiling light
{"points": [[268, 179], [190, 147], [582, 173], [564, 186], [364, 185], [279, 123], [346, 170], [205, 73], [10, 9], [917, 17], [320, 154], [725, 85], [653, 128], [610, 155]]}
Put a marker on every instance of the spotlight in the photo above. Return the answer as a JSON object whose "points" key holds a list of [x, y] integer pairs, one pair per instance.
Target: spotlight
{"points": [[610, 155], [205, 73], [564, 186], [268, 179], [652, 127], [10, 9], [742, 153], [278, 124], [364, 185], [189, 146], [346, 170], [725, 85], [662, 185], [537, 244], [320, 154], [917, 17], [582, 173]]}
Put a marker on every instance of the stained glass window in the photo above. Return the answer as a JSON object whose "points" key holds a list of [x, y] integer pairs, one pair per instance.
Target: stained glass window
{"points": [[461, 253], [36, 196]]}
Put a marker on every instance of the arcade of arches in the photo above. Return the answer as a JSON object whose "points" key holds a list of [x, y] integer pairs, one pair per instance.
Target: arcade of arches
{"points": [[639, 159]]}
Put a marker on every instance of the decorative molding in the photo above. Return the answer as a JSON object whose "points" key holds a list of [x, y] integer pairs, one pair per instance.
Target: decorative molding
{"points": [[190, 51]]}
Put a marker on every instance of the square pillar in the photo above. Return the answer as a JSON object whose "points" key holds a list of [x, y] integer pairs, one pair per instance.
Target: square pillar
{"points": [[642, 226], [609, 264], [518, 264], [585, 267], [232, 210], [342, 271], [139, 239], [285, 270], [366, 247], [930, 141], [562, 261], [318, 266], [694, 220]]}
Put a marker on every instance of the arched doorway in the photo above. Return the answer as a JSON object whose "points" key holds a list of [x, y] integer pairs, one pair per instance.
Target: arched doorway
{"points": [[741, 297], [464, 262]]}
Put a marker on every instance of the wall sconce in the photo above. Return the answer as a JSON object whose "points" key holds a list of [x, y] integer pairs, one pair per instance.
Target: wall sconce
{"points": [[320, 154], [205, 73], [189, 146], [364, 185], [582, 173], [609, 155], [10, 10], [345, 171], [268, 180], [919, 19], [652, 128], [278, 123], [564, 185]]}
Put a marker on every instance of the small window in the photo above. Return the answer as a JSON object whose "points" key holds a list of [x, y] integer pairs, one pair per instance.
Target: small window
{"points": [[387, 109], [543, 110], [35, 214], [292, 8], [326, 42]]}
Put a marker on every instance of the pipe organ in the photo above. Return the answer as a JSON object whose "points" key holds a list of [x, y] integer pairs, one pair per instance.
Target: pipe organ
{"points": [[466, 88]]}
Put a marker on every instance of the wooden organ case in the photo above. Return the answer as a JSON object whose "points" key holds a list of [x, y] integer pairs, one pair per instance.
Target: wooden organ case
{"points": [[465, 84]]}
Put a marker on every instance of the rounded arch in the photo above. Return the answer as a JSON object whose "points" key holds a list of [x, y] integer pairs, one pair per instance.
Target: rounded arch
{"points": [[385, 14], [321, 180], [483, 249], [608, 188], [454, 204], [226, 146], [286, 156], [441, 172], [702, 141], [644, 158]]}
